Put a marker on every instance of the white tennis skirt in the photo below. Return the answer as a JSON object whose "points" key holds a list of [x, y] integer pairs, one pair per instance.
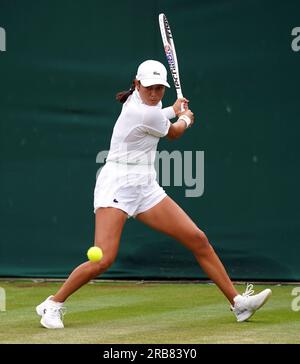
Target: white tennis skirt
{"points": [[133, 189]]}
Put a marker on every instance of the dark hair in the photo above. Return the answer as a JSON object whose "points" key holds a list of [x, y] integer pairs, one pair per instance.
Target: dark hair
{"points": [[123, 95]]}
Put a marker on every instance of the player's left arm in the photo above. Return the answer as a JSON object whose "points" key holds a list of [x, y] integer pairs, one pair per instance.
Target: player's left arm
{"points": [[185, 119]]}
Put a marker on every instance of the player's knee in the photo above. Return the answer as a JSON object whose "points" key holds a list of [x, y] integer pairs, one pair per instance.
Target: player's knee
{"points": [[201, 243], [102, 266], [200, 237], [107, 262]]}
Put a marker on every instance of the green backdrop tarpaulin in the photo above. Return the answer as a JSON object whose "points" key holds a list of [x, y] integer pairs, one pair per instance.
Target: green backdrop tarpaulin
{"points": [[63, 64]]}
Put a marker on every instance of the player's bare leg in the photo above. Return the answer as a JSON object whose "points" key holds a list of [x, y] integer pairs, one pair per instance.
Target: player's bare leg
{"points": [[109, 226], [108, 229], [170, 219]]}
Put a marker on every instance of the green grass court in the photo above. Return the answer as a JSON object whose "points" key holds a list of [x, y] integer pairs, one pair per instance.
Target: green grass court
{"points": [[148, 313]]}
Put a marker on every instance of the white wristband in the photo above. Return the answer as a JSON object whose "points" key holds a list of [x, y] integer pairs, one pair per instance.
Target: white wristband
{"points": [[186, 119]]}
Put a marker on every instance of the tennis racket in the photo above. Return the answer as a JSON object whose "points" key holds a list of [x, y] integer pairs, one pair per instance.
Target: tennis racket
{"points": [[170, 52]]}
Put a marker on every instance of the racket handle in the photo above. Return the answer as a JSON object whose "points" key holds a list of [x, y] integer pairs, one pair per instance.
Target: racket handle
{"points": [[179, 96]]}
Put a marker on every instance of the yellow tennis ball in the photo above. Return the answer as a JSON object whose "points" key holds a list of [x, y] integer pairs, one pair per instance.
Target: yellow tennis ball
{"points": [[94, 254]]}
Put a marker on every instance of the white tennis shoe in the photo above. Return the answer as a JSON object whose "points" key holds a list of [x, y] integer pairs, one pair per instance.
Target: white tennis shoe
{"points": [[246, 304], [52, 314]]}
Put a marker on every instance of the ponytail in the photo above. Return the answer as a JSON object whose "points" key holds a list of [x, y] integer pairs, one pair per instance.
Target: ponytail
{"points": [[123, 95]]}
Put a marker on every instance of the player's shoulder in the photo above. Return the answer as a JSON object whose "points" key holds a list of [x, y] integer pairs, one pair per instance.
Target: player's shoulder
{"points": [[142, 113], [152, 112]]}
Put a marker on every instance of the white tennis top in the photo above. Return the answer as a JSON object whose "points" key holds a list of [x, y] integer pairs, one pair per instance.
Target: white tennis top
{"points": [[137, 132]]}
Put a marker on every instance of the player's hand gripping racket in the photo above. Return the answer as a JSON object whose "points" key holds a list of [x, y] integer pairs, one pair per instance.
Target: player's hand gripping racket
{"points": [[170, 51]]}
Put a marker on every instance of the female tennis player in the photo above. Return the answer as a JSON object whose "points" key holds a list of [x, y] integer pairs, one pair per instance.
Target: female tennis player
{"points": [[127, 186]]}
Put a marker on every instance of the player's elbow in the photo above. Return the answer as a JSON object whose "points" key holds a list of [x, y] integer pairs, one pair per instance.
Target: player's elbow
{"points": [[171, 136], [173, 133]]}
